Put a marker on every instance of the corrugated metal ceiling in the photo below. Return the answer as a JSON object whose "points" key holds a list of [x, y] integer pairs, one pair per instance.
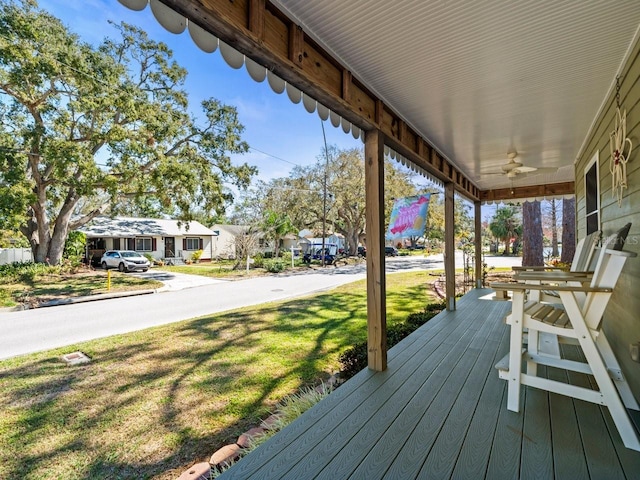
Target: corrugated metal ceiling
{"points": [[478, 78]]}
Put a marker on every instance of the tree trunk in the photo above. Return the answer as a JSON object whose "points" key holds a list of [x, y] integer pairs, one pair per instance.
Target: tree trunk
{"points": [[352, 243], [45, 246], [568, 230], [276, 247], [532, 233], [554, 228]]}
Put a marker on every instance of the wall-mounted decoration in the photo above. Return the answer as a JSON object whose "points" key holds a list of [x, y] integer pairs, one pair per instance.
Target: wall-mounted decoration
{"points": [[618, 142]]}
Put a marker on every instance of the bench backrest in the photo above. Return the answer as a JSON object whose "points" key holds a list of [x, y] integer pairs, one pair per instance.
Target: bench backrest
{"points": [[583, 257]]}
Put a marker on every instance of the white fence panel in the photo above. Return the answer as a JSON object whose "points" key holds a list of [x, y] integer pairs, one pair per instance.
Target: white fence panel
{"points": [[10, 255]]}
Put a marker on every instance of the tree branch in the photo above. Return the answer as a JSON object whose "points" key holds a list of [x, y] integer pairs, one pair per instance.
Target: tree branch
{"points": [[88, 217]]}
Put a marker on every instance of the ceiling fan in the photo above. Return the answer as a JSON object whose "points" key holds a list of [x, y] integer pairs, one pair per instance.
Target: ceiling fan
{"points": [[513, 169]]}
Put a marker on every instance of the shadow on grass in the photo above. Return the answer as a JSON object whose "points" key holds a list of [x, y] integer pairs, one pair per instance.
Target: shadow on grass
{"points": [[153, 402]]}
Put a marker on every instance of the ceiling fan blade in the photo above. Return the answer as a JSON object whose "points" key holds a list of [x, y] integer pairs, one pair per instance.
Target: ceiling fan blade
{"points": [[538, 171], [524, 169]]}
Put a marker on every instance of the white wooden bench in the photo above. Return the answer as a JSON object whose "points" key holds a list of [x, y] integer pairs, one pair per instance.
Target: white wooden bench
{"points": [[580, 266], [576, 319]]}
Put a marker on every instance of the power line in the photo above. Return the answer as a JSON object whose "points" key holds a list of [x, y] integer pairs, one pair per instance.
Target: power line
{"points": [[273, 156]]}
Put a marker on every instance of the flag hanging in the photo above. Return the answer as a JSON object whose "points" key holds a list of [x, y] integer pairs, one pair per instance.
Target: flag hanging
{"points": [[408, 217]]}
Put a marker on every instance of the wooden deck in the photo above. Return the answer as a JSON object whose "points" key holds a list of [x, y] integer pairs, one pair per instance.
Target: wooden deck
{"points": [[439, 411]]}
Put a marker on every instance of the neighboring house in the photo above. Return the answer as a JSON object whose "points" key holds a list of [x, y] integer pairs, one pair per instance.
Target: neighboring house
{"points": [[224, 240], [161, 238]]}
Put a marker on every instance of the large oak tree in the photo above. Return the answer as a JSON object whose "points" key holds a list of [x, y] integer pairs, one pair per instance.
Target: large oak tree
{"points": [[301, 195], [86, 130]]}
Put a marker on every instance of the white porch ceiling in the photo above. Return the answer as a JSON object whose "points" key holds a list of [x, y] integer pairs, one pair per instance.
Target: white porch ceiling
{"points": [[478, 78]]}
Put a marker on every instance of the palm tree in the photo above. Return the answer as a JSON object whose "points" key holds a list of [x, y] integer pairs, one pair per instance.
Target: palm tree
{"points": [[506, 225], [276, 225]]}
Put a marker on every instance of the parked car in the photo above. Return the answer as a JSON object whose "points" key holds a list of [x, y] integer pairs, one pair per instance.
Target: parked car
{"points": [[362, 251], [390, 251], [125, 261]]}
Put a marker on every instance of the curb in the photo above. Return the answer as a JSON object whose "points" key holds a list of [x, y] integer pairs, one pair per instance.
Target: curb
{"points": [[94, 298]]}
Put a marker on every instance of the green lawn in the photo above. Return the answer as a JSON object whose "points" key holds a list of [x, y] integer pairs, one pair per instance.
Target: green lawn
{"points": [[152, 402], [214, 269], [45, 287]]}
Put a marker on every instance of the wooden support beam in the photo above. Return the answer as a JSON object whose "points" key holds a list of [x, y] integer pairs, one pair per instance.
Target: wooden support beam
{"points": [[531, 191], [347, 81], [256, 18], [376, 289], [296, 44], [262, 32], [449, 246], [478, 242]]}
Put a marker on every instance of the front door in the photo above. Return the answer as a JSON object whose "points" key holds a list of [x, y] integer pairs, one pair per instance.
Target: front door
{"points": [[169, 247]]}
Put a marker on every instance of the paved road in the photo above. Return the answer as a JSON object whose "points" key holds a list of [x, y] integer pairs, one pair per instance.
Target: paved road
{"points": [[45, 328]]}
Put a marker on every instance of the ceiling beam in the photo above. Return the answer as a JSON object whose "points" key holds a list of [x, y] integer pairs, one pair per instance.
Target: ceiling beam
{"points": [[262, 32], [516, 193]]}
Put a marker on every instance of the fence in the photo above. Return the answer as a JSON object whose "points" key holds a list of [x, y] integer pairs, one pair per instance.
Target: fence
{"points": [[10, 255]]}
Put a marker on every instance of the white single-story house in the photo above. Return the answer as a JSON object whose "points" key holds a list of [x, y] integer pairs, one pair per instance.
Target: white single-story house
{"points": [[161, 238], [224, 239]]}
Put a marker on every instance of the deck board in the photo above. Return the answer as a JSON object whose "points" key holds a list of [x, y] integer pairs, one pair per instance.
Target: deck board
{"points": [[602, 460], [388, 429], [537, 458], [476, 448], [439, 411], [569, 458]]}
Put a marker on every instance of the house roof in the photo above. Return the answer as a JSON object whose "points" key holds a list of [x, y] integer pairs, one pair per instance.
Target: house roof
{"points": [[232, 229], [132, 227]]}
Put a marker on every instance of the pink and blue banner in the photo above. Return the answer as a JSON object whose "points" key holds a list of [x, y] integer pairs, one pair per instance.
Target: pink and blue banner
{"points": [[409, 217]]}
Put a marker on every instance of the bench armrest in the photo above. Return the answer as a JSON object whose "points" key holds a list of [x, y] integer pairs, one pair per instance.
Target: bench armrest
{"points": [[556, 288], [554, 276]]}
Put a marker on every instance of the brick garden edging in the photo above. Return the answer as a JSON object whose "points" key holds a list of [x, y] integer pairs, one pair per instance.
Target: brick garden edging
{"points": [[225, 456]]}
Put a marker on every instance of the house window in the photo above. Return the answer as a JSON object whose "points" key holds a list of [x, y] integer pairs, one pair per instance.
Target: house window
{"points": [[143, 244], [592, 195], [192, 243]]}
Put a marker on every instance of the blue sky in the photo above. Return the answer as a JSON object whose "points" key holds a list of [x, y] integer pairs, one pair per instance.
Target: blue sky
{"points": [[272, 123]]}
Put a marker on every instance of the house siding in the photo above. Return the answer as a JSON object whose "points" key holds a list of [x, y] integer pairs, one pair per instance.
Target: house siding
{"points": [[621, 321]]}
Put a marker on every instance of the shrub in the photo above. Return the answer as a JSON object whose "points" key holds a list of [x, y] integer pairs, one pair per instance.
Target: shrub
{"points": [[417, 319], [355, 358], [274, 266], [74, 251], [397, 332], [195, 256], [258, 260], [26, 271], [436, 307]]}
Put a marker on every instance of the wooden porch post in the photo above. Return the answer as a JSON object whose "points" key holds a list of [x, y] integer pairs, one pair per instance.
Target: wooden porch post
{"points": [[449, 247], [478, 243], [376, 290]]}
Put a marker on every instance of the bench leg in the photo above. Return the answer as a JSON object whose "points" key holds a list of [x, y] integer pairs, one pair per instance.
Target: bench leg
{"points": [[515, 353]]}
